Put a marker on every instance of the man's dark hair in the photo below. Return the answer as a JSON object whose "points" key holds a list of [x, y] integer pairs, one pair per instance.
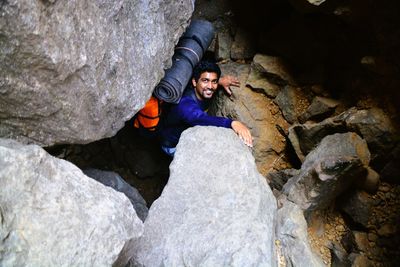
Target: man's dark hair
{"points": [[205, 66]]}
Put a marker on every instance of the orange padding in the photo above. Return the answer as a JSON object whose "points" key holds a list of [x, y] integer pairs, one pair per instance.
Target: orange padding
{"points": [[149, 116]]}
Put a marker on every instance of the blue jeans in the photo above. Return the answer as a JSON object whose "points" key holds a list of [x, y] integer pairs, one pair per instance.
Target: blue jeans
{"points": [[170, 151]]}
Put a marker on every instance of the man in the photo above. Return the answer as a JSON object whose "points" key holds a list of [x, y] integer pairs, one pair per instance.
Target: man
{"points": [[191, 110]]}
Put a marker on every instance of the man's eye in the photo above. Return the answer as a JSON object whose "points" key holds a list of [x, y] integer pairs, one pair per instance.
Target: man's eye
{"points": [[214, 81]]}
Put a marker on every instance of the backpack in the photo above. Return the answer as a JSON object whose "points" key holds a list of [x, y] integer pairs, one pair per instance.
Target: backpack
{"points": [[147, 120]]}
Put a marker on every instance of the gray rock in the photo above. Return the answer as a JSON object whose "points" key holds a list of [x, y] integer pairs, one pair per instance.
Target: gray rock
{"points": [[305, 137], [259, 113], [75, 71], [276, 179], [292, 101], [377, 129], [276, 69], [328, 171], [211, 11], [291, 231], [258, 81], [320, 108], [223, 46], [242, 46], [54, 215], [116, 182], [216, 209], [372, 125], [268, 75]]}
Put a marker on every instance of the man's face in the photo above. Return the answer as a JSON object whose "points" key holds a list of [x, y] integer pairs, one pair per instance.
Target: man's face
{"points": [[206, 85]]}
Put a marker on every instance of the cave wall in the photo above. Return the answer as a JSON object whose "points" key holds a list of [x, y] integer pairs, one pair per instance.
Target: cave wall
{"points": [[350, 47]]}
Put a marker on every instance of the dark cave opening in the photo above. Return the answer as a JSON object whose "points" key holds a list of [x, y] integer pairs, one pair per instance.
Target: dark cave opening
{"points": [[137, 159]]}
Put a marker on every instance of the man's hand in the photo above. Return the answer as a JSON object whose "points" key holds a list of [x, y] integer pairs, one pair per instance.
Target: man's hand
{"points": [[227, 81], [243, 132]]}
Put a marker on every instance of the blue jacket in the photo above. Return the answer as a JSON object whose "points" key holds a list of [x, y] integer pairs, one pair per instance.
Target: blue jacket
{"points": [[190, 111]]}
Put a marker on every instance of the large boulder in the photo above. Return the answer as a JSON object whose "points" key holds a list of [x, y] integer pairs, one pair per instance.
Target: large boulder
{"points": [[373, 125], [320, 108], [291, 231], [293, 101], [116, 182], [75, 71], [216, 209], [53, 215], [268, 75], [259, 113], [328, 171], [358, 206]]}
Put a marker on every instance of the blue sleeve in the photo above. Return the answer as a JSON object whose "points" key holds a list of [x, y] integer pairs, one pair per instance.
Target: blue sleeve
{"points": [[191, 113]]}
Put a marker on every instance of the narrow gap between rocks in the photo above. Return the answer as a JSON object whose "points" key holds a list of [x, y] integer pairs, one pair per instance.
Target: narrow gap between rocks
{"points": [[139, 161]]}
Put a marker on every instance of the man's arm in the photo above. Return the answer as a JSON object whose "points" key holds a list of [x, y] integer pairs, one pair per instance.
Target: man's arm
{"points": [[193, 115], [243, 132], [240, 129]]}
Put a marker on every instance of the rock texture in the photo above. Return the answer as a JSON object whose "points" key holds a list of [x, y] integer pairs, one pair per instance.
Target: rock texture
{"points": [[328, 171], [373, 125], [358, 206], [320, 108], [259, 113], [276, 179], [268, 75], [293, 102], [51, 214], [292, 233], [116, 182], [75, 71], [242, 46], [216, 209]]}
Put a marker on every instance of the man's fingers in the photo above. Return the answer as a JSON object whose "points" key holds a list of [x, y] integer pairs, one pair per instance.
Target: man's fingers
{"points": [[227, 81], [243, 132], [246, 137], [235, 83], [228, 90], [249, 138]]}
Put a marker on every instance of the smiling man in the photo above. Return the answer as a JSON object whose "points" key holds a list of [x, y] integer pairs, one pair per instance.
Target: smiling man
{"points": [[192, 108]]}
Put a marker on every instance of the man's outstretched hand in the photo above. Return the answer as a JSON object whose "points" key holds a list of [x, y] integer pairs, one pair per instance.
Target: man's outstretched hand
{"points": [[227, 81], [243, 132]]}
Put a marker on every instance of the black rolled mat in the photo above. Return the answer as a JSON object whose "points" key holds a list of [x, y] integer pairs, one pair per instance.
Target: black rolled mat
{"points": [[188, 52]]}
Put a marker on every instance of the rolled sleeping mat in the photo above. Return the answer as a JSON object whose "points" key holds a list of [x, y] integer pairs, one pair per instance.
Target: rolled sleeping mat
{"points": [[189, 51], [202, 31], [171, 87], [195, 41]]}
